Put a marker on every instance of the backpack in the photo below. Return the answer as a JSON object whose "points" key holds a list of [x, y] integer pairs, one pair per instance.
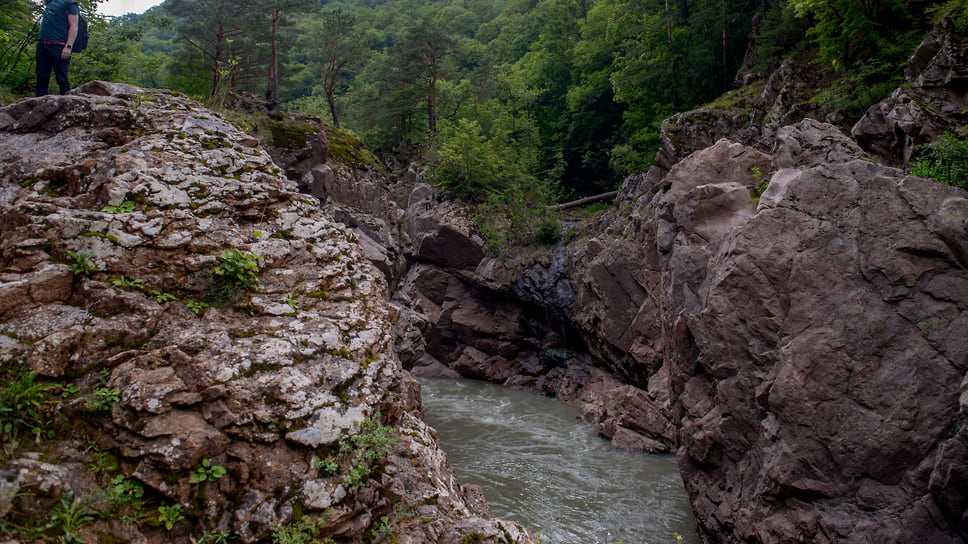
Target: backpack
{"points": [[80, 41]]}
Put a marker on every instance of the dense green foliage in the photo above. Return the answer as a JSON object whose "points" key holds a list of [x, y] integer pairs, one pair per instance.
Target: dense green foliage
{"points": [[559, 98], [944, 160]]}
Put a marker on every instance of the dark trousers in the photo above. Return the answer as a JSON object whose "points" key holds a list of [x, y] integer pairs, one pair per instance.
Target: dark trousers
{"points": [[48, 60]]}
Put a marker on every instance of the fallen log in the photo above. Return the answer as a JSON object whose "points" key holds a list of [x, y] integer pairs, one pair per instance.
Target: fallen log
{"points": [[587, 200]]}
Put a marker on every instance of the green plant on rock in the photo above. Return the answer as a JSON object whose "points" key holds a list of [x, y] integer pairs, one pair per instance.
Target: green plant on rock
{"points": [[22, 402], [122, 207], [161, 297], [103, 399], [67, 390], [214, 536], [125, 282], [761, 185], [169, 515], [70, 516], [381, 530], [80, 264], [124, 492], [330, 464], [236, 272], [207, 472], [127, 499], [303, 531], [197, 307], [358, 449]]}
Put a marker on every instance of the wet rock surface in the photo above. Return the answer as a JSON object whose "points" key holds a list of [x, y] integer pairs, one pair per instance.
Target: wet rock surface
{"points": [[119, 210]]}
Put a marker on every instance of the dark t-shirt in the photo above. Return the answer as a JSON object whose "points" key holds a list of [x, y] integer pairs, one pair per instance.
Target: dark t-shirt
{"points": [[54, 25]]}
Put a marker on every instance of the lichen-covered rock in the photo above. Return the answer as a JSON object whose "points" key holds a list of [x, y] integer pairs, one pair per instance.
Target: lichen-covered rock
{"points": [[190, 309]]}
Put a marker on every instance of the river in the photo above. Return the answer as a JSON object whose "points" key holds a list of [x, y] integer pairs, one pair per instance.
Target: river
{"points": [[541, 466]]}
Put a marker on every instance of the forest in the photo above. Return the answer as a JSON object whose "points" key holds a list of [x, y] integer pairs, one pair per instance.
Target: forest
{"points": [[513, 100]]}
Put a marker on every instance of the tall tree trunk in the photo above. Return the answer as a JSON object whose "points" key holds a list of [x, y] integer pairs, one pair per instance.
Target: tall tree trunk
{"points": [[274, 62], [330, 89], [725, 50], [432, 104], [672, 57], [217, 61]]}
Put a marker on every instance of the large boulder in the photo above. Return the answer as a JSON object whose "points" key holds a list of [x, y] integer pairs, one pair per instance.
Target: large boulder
{"points": [[442, 232], [817, 360], [619, 278], [128, 221]]}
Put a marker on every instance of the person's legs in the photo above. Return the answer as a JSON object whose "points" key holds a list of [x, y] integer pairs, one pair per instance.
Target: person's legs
{"points": [[44, 68], [61, 67]]}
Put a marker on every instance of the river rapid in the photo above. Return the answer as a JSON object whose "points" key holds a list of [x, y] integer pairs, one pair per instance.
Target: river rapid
{"points": [[541, 466]]}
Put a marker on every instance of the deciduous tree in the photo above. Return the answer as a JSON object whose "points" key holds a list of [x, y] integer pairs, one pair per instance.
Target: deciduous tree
{"points": [[338, 48]]}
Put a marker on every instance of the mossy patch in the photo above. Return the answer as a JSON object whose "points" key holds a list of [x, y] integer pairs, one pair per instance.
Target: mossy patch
{"points": [[290, 134], [348, 148]]}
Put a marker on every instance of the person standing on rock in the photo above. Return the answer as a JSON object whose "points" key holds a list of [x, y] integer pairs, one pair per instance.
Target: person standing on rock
{"points": [[58, 30]]}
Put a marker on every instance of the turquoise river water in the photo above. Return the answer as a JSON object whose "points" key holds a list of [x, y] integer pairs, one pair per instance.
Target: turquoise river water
{"points": [[546, 469]]}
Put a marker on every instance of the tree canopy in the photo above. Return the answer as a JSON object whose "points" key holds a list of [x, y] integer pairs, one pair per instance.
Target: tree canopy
{"points": [[568, 94]]}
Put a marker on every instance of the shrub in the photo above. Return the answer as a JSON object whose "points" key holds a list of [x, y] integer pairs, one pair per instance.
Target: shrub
{"points": [[944, 160], [548, 231], [517, 217]]}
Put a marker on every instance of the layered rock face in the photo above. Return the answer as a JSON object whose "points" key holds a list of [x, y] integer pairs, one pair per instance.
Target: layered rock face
{"points": [[814, 342], [123, 213]]}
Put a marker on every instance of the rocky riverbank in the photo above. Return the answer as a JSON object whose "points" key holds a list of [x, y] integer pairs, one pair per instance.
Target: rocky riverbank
{"points": [[782, 308], [784, 311]]}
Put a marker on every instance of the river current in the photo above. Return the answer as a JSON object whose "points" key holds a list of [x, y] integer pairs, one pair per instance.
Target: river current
{"points": [[541, 466]]}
